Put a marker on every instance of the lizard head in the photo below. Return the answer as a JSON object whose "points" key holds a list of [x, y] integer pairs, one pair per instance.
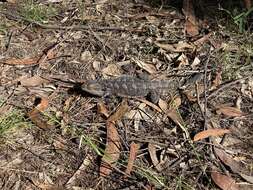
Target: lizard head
{"points": [[94, 88]]}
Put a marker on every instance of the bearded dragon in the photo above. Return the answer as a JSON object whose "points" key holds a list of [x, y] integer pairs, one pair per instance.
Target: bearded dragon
{"points": [[129, 86]]}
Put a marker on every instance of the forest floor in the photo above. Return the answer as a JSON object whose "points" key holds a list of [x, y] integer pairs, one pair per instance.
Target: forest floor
{"points": [[56, 136]]}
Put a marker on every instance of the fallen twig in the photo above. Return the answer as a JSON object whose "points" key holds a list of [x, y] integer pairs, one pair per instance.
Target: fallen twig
{"points": [[74, 27]]}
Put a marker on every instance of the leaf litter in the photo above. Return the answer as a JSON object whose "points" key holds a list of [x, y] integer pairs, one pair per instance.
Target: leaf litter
{"points": [[112, 150], [142, 145]]}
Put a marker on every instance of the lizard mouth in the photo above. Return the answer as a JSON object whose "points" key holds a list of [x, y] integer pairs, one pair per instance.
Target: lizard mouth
{"points": [[94, 89]]}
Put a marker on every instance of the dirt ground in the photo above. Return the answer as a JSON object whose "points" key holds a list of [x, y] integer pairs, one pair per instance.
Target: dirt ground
{"points": [[54, 135]]}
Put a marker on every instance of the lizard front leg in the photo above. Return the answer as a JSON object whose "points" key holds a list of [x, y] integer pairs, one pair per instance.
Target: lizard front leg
{"points": [[153, 96]]}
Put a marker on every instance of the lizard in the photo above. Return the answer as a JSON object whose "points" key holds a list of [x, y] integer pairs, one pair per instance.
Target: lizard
{"points": [[129, 86]]}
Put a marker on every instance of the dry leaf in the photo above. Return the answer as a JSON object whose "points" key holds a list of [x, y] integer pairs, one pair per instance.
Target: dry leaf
{"points": [[102, 109], [153, 156], [112, 70], [97, 65], [183, 60], [210, 132], [50, 52], [46, 186], [150, 104], [42, 106], [60, 144], [229, 47], [35, 114], [235, 166], [145, 66], [67, 103], [228, 160], [150, 187], [120, 112], [152, 19], [230, 111], [22, 61], [139, 114], [174, 115], [47, 54], [32, 81], [79, 173], [223, 181], [175, 102], [112, 150], [178, 48], [238, 103], [215, 43], [163, 105], [191, 29], [168, 47], [195, 62], [200, 42], [248, 178], [133, 153], [86, 56]]}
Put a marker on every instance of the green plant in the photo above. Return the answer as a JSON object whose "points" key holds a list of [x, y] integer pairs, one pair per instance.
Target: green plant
{"points": [[182, 184], [37, 12], [239, 19], [3, 29], [12, 121], [236, 62], [154, 178], [91, 143]]}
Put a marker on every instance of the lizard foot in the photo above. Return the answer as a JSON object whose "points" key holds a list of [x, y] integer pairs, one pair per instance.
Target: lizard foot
{"points": [[153, 96]]}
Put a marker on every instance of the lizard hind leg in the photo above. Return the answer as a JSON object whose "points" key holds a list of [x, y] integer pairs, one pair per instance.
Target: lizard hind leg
{"points": [[153, 96]]}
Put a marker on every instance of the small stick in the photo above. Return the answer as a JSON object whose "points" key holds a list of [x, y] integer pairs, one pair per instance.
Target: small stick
{"points": [[74, 27], [224, 86]]}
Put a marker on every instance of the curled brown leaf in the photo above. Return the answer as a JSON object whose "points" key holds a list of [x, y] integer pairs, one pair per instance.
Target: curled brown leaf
{"points": [[35, 114], [235, 166], [210, 132], [133, 153], [230, 111], [112, 150], [153, 155], [223, 181]]}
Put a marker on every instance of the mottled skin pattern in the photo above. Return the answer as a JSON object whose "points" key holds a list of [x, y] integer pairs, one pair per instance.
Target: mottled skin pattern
{"points": [[128, 86]]}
